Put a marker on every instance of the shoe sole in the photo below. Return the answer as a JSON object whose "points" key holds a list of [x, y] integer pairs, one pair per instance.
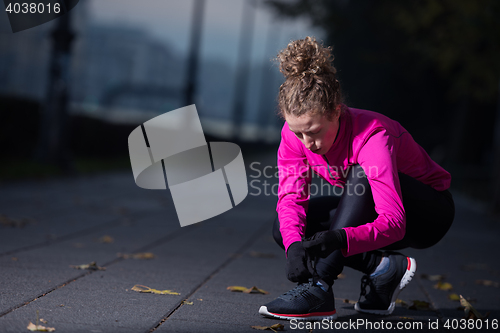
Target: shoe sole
{"points": [[310, 316], [407, 277]]}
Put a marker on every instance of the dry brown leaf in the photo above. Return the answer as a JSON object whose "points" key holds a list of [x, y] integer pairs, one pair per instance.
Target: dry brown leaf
{"points": [[144, 289], [401, 302], [185, 302], [14, 223], [256, 254], [43, 321], [345, 300], [443, 286], [470, 311], [237, 288], [106, 239], [40, 328], [274, 328], [420, 306], [488, 283], [141, 255], [253, 290], [437, 277], [92, 266], [454, 297]]}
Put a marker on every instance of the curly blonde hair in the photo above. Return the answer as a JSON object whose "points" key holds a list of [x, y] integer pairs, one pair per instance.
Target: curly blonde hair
{"points": [[310, 82]]}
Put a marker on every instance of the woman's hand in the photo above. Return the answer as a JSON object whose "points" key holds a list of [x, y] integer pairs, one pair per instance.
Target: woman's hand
{"points": [[296, 263], [323, 243]]}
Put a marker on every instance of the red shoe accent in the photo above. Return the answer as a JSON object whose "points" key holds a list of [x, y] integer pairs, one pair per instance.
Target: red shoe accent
{"points": [[409, 264], [307, 315]]}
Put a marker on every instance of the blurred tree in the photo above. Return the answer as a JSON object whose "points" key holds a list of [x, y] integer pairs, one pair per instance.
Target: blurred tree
{"points": [[53, 144], [194, 50], [243, 66], [461, 39], [496, 147]]}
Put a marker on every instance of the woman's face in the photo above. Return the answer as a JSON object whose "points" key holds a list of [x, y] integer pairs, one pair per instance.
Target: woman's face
{"points": [[314, 130]]}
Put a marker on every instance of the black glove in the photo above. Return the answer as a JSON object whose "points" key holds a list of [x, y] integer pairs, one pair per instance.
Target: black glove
{"points": [[323, 243], [296, 263]]}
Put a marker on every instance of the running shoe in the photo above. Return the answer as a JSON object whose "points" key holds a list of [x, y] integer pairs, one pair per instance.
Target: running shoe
{"points": [[386, 285], [307, 301]]}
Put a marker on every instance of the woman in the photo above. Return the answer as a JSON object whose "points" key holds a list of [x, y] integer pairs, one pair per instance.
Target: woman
{"points": [[378, 165]]}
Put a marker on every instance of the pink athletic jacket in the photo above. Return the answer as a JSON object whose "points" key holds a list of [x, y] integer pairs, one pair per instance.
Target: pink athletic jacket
{"points": [[383, 148]]}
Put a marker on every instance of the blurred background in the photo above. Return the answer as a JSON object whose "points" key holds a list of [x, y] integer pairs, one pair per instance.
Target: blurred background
{"points": [[71, 90]]}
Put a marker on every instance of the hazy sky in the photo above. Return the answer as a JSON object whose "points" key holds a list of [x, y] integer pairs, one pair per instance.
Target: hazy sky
{"points": [[169, 20]]}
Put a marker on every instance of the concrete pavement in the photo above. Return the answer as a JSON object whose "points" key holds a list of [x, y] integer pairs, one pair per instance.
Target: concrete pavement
{"points": [[64, 221]]}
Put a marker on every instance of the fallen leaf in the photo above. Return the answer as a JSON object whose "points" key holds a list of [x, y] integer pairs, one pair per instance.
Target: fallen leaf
{"points": [[420, 306], [106, 239], [401, 302], [256, 254], [443, 286], [13, 223], [92, 266], [488, 283], [237, 288], [141, 255], [345, 300], [274, 328], [253, 290], [144, 289], [43, 321], [187, 303], [40, 328], [471, 300], [437, 277], [470, 311], [454, 297]]}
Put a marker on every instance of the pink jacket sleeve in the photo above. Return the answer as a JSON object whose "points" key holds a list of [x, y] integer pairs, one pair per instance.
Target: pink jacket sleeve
{"points": [[378, 159], [293, 192]]}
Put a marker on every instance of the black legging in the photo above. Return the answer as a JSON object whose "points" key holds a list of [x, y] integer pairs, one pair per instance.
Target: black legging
{"points": [[429, 215]]}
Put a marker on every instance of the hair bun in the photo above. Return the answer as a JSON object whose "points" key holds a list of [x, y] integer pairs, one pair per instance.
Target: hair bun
{"points": [[305, 56]]}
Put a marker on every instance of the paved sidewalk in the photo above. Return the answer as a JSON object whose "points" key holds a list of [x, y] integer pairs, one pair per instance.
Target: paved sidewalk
{"points": [[64, 219]]}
